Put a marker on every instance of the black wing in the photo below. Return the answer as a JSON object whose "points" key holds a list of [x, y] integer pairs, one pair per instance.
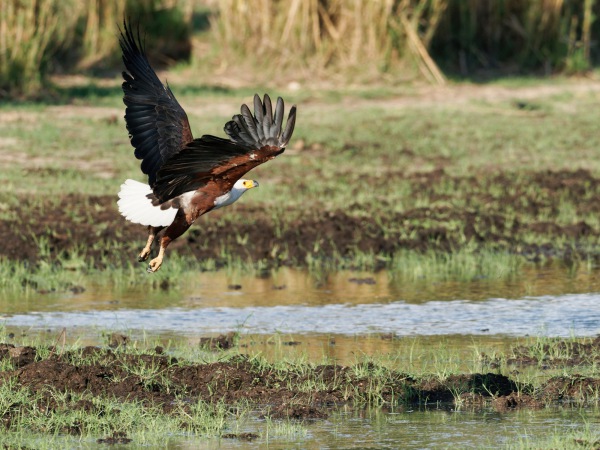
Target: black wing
{"points": [[158, 126], [253, 141]]}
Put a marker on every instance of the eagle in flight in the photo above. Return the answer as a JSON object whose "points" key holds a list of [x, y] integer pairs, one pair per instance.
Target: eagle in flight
{"points": [[187, 177]]}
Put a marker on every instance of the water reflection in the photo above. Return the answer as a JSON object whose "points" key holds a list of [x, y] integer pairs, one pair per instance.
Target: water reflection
{"points": [[343, 318], [549, 301], [441, 427], [447, 428], [575, 314], [287, 286], [431, 428]]}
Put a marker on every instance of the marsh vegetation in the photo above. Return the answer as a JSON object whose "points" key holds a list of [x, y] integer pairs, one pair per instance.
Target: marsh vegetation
{"points": [[151, 393], [337, 41], [392, 194], [477, 187]]}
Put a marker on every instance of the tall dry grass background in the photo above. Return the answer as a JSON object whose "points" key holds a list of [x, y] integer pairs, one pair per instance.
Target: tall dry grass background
{"points": [[384, 35], [30, 30], [312, 36], [38, 35], [347, 39], [101, 19]]}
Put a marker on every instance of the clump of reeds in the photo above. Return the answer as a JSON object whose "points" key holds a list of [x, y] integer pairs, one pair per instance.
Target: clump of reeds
{"points": [[516, 35], [36, 33], [99, 37], [29, 31], [308, 36], [311, 35]]}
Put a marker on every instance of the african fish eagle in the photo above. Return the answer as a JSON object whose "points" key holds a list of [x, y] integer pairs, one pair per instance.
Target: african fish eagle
{"points": [[187, 177]]}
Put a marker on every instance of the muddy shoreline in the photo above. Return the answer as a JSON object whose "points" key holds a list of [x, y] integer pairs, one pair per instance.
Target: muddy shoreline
{"points": [[283, 393], [513, 220]]}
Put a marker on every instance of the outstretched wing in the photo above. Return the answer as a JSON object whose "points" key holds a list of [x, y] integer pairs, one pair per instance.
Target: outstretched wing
{"points": [[158, 126], [253, 141]]}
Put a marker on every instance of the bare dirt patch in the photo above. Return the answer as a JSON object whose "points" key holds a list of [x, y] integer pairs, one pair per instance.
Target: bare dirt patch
{"points": [[514, 218]]}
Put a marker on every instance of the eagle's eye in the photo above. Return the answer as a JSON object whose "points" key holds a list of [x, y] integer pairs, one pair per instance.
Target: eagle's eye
{"points": [[248, 184]]}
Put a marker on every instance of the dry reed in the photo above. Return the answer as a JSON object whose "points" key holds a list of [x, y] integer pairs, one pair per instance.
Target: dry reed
{"points": [[85, 32], [99, 39], [28, 30], [346, 38], [313, 35]]}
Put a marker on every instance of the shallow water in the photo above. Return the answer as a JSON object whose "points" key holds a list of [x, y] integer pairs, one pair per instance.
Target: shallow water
{"points": [[574, 314], [425, 428], [340, 318], [436, 428], [539, 302]]}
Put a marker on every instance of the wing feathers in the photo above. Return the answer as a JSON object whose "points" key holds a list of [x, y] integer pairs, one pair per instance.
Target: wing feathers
{"points": [[259, 115], [289, 126], [276, 127], [268, 116], [238, 126], [243, 128], [249, 121], [253, 141], [157, 124], [191, 168], [160, 133]]}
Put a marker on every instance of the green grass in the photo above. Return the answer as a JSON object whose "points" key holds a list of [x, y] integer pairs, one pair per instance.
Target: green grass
{"points": [[367, 157], [91, 142], [72, 273], [145, 425], [419, 357], [410, 275], [51, 417], [584, 438]]}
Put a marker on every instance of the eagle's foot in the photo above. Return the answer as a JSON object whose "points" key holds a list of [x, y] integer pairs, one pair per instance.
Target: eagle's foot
{"points": [[154, 264], [143, 256]]}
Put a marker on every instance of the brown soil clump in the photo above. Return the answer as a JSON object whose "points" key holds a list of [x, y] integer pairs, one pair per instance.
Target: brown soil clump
{"points": [[575, 388], [116, 438], [241, 436], [298, 393], [221, 342]]}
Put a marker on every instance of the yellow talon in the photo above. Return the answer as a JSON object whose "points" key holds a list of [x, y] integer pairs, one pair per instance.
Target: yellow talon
{"points": [[144, 255], [156, 262]]}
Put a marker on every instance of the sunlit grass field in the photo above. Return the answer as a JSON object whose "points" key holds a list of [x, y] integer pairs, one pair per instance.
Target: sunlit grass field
{"points": [[369, 153], [418, 153], [346, 145]]}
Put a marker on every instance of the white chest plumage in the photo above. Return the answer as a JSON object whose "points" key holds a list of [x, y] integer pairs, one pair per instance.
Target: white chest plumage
{"points": [[229, 197]]}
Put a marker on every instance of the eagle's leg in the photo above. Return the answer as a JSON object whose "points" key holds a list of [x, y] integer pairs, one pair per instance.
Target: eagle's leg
{"points": [[152, 232], [176, 229], [155, 263]]}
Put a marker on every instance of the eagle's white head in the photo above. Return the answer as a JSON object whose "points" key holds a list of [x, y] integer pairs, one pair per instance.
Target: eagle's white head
{"points": [[244, 185]]}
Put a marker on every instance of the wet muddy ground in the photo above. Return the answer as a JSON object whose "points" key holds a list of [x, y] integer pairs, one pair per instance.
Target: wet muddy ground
{"points": [[288, 392], [497, 210]]}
